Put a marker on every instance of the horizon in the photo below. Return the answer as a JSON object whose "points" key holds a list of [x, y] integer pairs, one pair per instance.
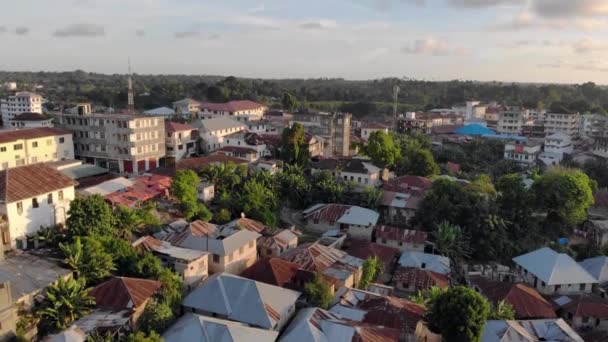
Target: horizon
{"points": [[513, 41]]}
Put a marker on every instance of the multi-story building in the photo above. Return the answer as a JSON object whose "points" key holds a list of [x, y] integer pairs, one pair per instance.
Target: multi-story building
{"points": [[34, 145], [29, 120], [511, 121], [568, 123], [180, 140], [22, 102], [334, 128], [600, 147], [525, 153], [186, 106], [556, 145], [370, 127], [214, 132], [32, 197], [240, 110], [122, 143], [594, 126]]}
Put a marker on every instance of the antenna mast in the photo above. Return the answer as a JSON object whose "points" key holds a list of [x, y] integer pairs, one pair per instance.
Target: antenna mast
{"points": [[130, 98], [396, 90]]}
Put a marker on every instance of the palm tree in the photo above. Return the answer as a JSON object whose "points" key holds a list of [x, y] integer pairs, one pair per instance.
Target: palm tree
{"points": [[451, 241], [66, 301], [73, 253], [425, 297]]}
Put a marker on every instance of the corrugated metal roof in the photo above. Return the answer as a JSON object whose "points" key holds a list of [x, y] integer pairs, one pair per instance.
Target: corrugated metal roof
{"points": [[198, 328], [420, 279], [277, 272], [28, 181], [597, 267], [529, 331], [586, 305], [121, 293], [432, 262], [554, 268], [398, 234], [393, 312]]}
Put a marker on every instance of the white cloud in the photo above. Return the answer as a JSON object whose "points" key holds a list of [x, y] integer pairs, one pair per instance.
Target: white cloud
{"points": [[569, 8], [318, 25], [482, 3], [81, 30], [434, 47]]}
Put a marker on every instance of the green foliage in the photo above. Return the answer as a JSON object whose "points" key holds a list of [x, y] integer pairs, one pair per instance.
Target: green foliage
{"points": [[596, 170], [294, 147], [502, 311], [222, 216], [259, 202], [171, 292], [382, 149], [565, 193], [183, 187], [289, 101], [148, 266], [88, 258], [157, 316], [417, 159], [451, 241], [319, 292], [460, 314], [483, 184], [65, 302], [124, 255], [325, 188], [225, 177], [140, 336], [197, 211], [372, 269], [294, 187], [428, 296], [129, 221], [371, 197], [91, 216]]}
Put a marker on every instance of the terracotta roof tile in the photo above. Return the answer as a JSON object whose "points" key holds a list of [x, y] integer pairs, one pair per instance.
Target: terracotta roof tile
{"points": [[32, 180], [121, 293], [31, 133]]}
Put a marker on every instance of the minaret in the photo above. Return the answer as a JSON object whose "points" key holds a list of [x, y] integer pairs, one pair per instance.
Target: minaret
{"points": [[130, 100]]}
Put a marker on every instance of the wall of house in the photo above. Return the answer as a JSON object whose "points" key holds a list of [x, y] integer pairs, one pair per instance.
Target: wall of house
{"points": [[235, 262], [366, 132], [193, 272], [360, 232], [399, 216], [28, 220], [541, 287], [30, 151], [31, 124], [594, 323], [8, 314], [321, 226], [372, 179], [402, 246], [180, 144]]}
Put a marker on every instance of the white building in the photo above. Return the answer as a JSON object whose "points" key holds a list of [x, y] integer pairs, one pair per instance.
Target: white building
{"points": [[10, 86], [370, 127], [593, 125], [22, 102], [568, 123], [240, 110], [186, 106], [213, 132], [556, 145], [180, 140], [34, 145], [551, 273], [164, 112], [511, 121], [356, 221], [32, 197], [358, 171], [525, 153], [30, 120]]}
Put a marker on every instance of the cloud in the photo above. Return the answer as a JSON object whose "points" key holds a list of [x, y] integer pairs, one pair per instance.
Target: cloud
{"points": [[81, 30], [527, 43], [587, 45], [569, 8], [482, 3], [434, 47], [529, 20], [2, 29], [22, 30], [140, 33], [196, 34], [318, 25]]}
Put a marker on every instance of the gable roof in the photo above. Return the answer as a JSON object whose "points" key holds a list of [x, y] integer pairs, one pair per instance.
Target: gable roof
{"points": [[597, 267], [205, 236], [554, 268], [119, 293], [586, 305], [392, 312], [277, 272], [31, 117], [414, 185], [365, 249], [162, 111], [221, 123], [347, 214], [431, 262], [198, 328], [526, 301], [24, 182], [475, 129], [242, 300], [172, 127], [31, 133], [232, 106], [419, 278], [529, 331], [346, 165]]}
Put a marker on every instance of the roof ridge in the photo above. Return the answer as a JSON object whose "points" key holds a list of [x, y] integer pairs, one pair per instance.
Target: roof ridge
{"points": [[257, 285]]}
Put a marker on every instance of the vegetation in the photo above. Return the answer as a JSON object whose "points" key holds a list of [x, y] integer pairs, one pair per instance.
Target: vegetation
{"points": [[184, 188], [383, 150], [372, 269], [428, 296], [319, 292], [502, 311], [451, 241], [294, 146], [88, 258], [65, 302], [142, 337], [91, 216], [157, 316]]}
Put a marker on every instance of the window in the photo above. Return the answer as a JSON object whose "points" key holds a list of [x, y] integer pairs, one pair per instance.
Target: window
{"points": [[19, 208], [216, 258], [17, 147], [423, 265], [60, 195], [35, 144], [35, 202], [49, 199], [241, 250], [61, 140], [585, 320], [557, 287], [3, 149], [582, 287]]}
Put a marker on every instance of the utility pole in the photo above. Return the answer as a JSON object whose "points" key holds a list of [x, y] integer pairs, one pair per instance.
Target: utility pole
{"points": [[396, 90], [130, 98]]}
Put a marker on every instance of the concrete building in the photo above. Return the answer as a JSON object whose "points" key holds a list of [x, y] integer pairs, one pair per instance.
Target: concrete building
{"points": [[34, 145], [525, 153], [511, 121], [8, 314], [21, 102], [556, 146], [186, 106], [30, 120], [214, 132], [568, 123], [243, 110], [368, 128], [600, 147], [32, 197], [356, 221], [334, 128], [594, 126], [360, 172], [121, 143], [180, 141]]}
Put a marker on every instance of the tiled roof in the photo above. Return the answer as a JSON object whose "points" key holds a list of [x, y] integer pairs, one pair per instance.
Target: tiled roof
{"points": [[121, 293], [237, 149], [198, 163], [392, 312], [398, 234], [526, 301], [171, 127], [365, 249], [421, 279], [31, 117], [278, 272], [587, 305], [32, 180], [281, 239], [232, 106], [31, 133]]}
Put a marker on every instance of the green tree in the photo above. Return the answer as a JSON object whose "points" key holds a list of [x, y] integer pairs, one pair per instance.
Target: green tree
{"points": [[90, 216], [325, 188], [183, 187], [371, 197], [126, 222], [171, 292], [319, 292], [222, 216], [451, 241], [565, 194], [225, 177], [148, 266], [294, 187], [502, 311], [140, 336], [483, 184], [428, 296], [125, 257], [372, 269], [289, 101], [294, 149], [417, 161], [459, 314], [66, 301], [259, 202], [157, 316], [88, 258], [382, 149]]}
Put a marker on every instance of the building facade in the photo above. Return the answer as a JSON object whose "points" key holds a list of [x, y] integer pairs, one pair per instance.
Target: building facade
{"points": [[511, 121], [34, 145], [523, 153], [243, 110], [567, 123], [180, 140], [334, 128], [122, 143], [22, 102], [30, 120]]}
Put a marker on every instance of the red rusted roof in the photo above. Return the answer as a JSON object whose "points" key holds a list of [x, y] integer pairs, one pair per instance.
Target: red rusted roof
{"points": [[328, 213], [278, 272], [365, 249], [526, 301], [237, 149], [147, 244], [398, 234], [120, 293], [421, 279], [31, 133], [587, 305], [31, 117], [392, 312], [25, 182], [251, 225], [313, 257], [414, 185], [455, 168], [172, 127], [232, 106], [371, 333], [373, 125]]}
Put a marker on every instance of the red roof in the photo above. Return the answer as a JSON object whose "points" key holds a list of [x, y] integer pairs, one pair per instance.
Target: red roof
{"points": [[421, 279], [232, 106], [526, 301], [237, 149], [144, 189], [398, 234], [455, 168], [313, 257], [392, 312], [364, 249], [278, 272], [171, 127], [328, 213], [251, 225], [409, 184], [587, 305], [31, 117], [601, 199], [31, 133], [121, 293], [24, 182]]}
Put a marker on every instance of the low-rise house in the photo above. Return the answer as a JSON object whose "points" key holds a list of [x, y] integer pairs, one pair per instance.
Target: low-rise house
{"points": [[30, 120], [532, 330], [32, 197], [197, 163], [550, 273], [598, 268], [556, 146], [358, 222], [403, 239], [145, 188], [279, 272], [596, 231], [243, 300], [365, 249], [242, 152], [599, 210], [199, 328], [163, 112], [247, 139], [318, 325], [180, 141], [242, 110], [401, 198], [71, 334], [206, 192], [34, 145], [192, 265], [370, 127], [526, 301], [272, 242], [413, 279], [122, 294], [232, 250], [271, 166], [214, 131], [425, 261], [584, 312], [525, 153], [186, 106], [107, 187], [358, 171], [337, 267]]}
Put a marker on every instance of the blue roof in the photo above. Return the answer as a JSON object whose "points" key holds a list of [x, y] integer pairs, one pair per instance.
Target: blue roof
{"points": [[475, 129]]}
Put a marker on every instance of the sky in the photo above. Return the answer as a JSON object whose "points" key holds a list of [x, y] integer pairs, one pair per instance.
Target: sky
{"points": [[563, 41]]}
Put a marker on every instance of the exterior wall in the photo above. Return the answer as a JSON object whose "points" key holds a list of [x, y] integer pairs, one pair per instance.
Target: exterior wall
{"points": [[362, 180], [20, 103], [215, 140], [402, 246], [245, 115], [28, 220], [193, 272], [180, 144], [400, 216], [528, 156], [8, 314], [565, 123], [321, 226], [563, 289], [206, 193], [583, 323], [511, 122], [235, 262], [30, 151], [360, 232], [31, 124]]}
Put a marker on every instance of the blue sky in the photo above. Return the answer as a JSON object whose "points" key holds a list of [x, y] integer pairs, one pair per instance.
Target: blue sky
{"points": [[508, 40]]}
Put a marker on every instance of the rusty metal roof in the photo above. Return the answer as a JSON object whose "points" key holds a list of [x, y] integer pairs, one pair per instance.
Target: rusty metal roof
{"points": [[327, 212], [121, 293], [398, 234], [314, 257], [25, 182], [278, 272], [421, 279], [392, 312], [365, 249]]}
